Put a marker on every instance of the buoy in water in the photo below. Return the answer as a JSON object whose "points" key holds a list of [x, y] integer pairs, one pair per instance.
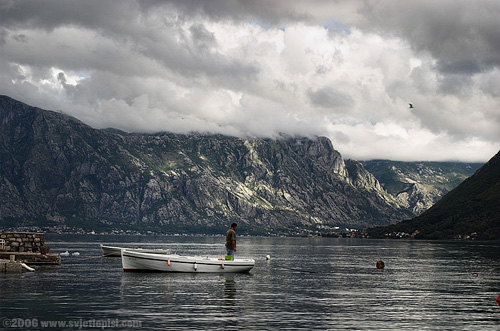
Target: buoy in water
{"points": [[76, 254], [380, 264], [65, 253], [268, 257], [498, 299]]}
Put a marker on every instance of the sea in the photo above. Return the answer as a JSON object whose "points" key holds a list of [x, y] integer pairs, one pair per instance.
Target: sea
{"points": [[311, 283]]}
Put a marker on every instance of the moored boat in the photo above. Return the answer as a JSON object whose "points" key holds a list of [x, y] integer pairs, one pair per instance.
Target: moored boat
{"points": [[133, 260], [111, 250], [117, 251]]}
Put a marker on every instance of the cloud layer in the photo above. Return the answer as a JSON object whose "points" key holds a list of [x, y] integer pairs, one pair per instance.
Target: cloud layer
{"points": [[343, 69]]}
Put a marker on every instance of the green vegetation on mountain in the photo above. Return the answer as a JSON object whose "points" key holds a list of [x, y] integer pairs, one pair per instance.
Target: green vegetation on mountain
{"points": [[59, 172], [471, 210], [419, 185]]}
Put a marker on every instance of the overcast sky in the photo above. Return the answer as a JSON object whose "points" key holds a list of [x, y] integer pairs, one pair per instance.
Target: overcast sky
{"points": [[342, 69]]}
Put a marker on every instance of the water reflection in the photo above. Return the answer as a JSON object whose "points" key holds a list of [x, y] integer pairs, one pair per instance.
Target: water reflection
{"points": [[229, 289], [424, 285]]}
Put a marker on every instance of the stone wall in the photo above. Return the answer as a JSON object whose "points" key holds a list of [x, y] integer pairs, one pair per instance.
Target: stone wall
{"points": [[22, 242]]}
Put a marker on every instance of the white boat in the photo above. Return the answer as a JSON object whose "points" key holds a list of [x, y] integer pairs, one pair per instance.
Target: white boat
{"points": [[117, 251], [111, 250], [133, 260]]}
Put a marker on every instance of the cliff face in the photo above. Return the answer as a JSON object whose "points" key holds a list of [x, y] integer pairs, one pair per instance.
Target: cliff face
{"points": [[59, 171]]}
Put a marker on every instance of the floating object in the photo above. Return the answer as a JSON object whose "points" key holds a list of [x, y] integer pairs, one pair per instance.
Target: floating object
{"points": [[25, 266], [268, 257], [76, 254], [498, 299], [229, 257], [411, 106], [117, 251], [380, 264], [476, 274], [65, 253], [133, 260]]}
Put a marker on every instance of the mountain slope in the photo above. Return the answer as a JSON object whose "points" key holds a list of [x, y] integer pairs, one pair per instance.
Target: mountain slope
{"points": [[471, 209], [59, 172], [419, 185]]}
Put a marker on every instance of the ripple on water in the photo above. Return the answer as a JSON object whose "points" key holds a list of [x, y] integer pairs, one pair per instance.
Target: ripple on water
{"points": [[319, 283]]}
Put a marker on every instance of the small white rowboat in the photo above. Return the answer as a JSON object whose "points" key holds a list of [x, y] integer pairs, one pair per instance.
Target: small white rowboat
{"points": [[141, 261], [117, 251]]}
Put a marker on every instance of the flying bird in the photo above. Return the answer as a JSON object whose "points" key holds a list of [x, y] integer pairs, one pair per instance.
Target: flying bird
{"points": [[411, 106]]}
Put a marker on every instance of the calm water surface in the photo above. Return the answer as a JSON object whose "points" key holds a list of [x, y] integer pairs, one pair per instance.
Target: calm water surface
{"points": [[309, 283]]}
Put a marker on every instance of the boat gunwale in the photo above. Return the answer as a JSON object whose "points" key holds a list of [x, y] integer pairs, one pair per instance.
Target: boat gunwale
{"points": [[116, 249]]}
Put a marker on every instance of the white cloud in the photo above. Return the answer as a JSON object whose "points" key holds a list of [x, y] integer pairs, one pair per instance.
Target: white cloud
{"points": [[346, 70]]}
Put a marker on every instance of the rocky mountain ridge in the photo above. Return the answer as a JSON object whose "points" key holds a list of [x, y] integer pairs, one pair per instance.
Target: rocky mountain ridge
{"points": [[57, 171], [469, 211], [419, 185]]}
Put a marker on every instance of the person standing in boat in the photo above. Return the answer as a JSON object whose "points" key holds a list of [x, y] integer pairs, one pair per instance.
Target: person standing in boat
{"points": [[231, 240]]}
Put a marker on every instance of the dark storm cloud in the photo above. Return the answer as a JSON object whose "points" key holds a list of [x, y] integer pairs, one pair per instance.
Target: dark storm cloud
{"points": [[49, 14], [126, 22], [330, 98], [462, 35], [346, 69]]}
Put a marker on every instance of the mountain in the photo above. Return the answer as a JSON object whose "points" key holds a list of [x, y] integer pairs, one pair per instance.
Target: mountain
{"points": [[59, 173], [419, 185], [471, 210]]}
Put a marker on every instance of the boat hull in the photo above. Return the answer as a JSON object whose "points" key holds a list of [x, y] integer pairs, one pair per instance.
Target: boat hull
{"points": [[141, 261]]}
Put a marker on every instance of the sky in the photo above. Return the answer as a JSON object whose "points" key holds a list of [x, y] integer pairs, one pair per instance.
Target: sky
{"points": [[345, 69]]}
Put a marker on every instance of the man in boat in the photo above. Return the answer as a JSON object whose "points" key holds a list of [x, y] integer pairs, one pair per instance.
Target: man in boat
{"points": [[231, 240]]}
